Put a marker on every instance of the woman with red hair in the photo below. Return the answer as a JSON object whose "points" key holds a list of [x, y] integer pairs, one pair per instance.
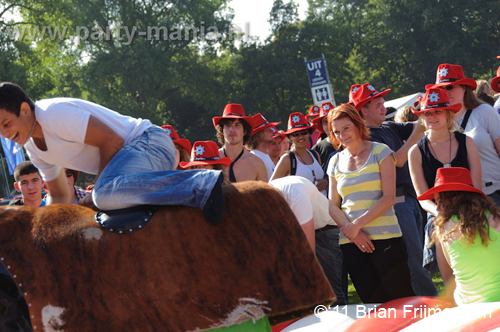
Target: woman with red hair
{"points": [[363, 184]]}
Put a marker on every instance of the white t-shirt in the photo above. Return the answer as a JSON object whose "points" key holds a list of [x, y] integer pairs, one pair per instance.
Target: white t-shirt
{"points": [[305, 200], [310, 172], [484, 128], [496, 106], [64, 123], [267, 161]]}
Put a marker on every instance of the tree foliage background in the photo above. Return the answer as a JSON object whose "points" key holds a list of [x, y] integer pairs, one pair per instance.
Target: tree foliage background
{"points": [[185, 79]]}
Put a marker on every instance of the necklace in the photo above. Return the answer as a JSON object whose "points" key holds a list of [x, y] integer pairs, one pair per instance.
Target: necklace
{"points": [[311, 167], [434, 152], [31, 131]]}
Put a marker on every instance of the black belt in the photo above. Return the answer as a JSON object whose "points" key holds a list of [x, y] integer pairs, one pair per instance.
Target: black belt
{"points": [[327, 227]]}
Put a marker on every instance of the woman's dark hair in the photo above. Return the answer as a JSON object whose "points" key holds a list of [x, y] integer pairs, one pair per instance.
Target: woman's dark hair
{"points": [[12, 96], [470, 209], [470, 99]]}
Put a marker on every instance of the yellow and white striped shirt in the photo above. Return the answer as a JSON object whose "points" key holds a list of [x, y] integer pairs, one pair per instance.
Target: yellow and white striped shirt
{"points": [[361, 189]]}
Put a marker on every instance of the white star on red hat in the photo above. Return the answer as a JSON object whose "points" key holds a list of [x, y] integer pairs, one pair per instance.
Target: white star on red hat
{"points": [[200, 150], [443, 72], [434, 97]]}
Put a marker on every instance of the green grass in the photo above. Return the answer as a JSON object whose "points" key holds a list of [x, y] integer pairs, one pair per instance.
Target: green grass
{"points": [[353, 297]]}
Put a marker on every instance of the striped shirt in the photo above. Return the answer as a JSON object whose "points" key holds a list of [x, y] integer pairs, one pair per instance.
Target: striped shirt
{"points": [[361, 189]]}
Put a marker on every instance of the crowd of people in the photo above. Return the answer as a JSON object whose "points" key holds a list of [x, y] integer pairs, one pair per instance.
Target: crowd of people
{"points": [[360, 185]]}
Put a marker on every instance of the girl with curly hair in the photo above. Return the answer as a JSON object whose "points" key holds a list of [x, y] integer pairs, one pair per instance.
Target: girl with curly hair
{"points": [[467, 237]]}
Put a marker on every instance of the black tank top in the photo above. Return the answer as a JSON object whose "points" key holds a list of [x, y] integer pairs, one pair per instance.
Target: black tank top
{"points": [[232, 177], [431, 164]]}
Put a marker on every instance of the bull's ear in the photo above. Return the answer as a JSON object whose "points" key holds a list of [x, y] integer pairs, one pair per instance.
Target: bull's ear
{"points": [[17, 187]]}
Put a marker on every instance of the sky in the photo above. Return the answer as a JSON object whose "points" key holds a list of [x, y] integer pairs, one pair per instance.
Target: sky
{"points": [[255, 14]]}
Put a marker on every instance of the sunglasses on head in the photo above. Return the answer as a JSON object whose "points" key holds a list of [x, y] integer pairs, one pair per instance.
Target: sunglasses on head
{"points": [[303, 132]]}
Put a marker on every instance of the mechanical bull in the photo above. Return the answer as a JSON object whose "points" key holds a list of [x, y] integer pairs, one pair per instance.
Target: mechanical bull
{"points": [[178, 273]]}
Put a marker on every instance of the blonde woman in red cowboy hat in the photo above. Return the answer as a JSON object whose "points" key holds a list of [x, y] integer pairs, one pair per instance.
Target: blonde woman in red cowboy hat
{"points": [[306, 162], [467, 237], [475, 119], [440, 147], [363, 184]]}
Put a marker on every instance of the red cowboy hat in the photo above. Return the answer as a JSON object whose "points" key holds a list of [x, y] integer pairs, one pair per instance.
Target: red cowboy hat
{"points": [[313, 112], [451, 75], [450, 179], [354, 88], [232, 111], [436, 99], [184, 143], [417, 100], [325, 109], [205, 153], [495, 80], [276, 133], [361, 94], [297, 122], [260, 123]]}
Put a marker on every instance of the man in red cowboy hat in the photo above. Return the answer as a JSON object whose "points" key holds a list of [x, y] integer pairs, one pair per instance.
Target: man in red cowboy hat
{"points": [[324, 147], [274, 149], [233, 132], [400, 137], [262, 136], [370, 104], [316, 134]]}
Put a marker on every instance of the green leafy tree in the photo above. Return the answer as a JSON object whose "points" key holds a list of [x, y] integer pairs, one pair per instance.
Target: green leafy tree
{"points": [[400, 43]]}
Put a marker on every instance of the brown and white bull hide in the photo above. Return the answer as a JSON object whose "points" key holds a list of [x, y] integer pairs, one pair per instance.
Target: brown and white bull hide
{"points": [[179, 273]]}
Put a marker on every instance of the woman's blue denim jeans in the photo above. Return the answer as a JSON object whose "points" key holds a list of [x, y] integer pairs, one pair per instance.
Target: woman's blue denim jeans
{"points": [[141, 173], [430, 261], [410, 221]]}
